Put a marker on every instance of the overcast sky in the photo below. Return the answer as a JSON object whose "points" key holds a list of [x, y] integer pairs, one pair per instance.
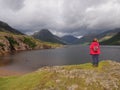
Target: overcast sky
{"points": [[75, 17]]}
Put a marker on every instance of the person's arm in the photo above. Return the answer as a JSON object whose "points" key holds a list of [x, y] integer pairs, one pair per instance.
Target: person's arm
{"points": [[90, 46]]}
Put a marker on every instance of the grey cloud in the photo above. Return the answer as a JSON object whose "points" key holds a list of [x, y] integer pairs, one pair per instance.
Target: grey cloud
{"points": [[75, 17], [12, 4], [92, 14]]}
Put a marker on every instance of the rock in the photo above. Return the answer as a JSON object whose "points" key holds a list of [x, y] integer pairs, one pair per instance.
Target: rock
{"points": [[9, 43], [105, 78], [73, 87]]}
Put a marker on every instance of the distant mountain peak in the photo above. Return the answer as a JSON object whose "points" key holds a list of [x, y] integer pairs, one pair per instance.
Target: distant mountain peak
{"points": [[70, 39], [101, 36], [46, 35], [69, 36], [45, 31]]}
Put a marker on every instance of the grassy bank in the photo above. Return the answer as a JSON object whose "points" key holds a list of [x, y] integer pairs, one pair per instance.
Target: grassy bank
{"points": [[72, 77]]}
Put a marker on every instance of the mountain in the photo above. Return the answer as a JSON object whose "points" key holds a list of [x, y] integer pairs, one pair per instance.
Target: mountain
{"points": [[10, 42], [101, 36], [115, 40], [4, 27], [108, 34], [69, 39], [46, 35], [13, 40], [85, 39]]}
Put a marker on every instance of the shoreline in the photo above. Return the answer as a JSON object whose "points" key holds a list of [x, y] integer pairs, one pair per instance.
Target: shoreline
{"points": [[6, 71], [67, 77]]}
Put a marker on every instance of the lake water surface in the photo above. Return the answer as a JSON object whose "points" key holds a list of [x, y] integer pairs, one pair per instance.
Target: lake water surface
{"points": [[76, 54]]}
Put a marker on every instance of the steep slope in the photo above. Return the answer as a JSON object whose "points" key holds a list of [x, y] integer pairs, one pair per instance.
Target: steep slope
{"points": [[13, 40], [102, 36], [4, 27], [115, 40], [73, 77], [108, 34], [86, 39], [46, 35], [69, 39]]}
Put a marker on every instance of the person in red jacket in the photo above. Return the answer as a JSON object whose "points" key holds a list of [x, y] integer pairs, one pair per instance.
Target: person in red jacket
{"points": [[95, 51]]}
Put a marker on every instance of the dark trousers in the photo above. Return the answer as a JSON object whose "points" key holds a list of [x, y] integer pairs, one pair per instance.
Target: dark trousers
{"points": [[95, 59]]}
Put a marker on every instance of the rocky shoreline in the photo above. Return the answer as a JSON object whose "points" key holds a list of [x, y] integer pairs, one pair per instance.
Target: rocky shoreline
{"points": [[104, 77], [11, 43]]}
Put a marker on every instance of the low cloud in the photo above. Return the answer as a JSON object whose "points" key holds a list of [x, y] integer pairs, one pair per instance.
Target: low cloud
{"points": [[76, 17], [14, 5]]}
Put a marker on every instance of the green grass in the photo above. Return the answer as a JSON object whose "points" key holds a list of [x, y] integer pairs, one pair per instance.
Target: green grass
{"points": [[12, 41], [55, 79], [26, 82], [115, 40], [87, 66]]}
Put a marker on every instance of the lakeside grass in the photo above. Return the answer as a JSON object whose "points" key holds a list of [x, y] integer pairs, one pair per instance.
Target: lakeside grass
{"points": [[71, 77]]}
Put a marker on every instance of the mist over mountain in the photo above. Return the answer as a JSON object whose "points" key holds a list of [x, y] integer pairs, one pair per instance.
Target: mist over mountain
{"points": [[63, 17], [46, 35], [101, 36], [69, 39], [12, 40]]}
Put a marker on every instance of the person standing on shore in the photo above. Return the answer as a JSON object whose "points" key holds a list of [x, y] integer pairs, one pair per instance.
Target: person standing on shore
{"points": [[95, 51]]}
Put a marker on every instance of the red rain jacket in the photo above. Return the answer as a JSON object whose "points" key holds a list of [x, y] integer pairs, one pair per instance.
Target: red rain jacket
{"points": [[92, 51]]}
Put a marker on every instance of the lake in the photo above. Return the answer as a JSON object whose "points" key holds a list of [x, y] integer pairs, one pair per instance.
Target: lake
{"points": [[68, 55]]}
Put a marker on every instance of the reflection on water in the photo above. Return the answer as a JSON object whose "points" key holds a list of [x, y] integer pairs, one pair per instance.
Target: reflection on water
{"points": [[6, 60], [61, 56]]}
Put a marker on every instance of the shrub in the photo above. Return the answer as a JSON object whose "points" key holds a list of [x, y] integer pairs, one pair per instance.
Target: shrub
{"points": [[46, 46], [12, 41], [29, 42], [1, 44]]}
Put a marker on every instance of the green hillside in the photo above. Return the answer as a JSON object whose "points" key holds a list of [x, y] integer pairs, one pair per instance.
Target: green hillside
{"points": [[73, 77], [103, 37], [115, 40], [4, 27], [12, 42]]}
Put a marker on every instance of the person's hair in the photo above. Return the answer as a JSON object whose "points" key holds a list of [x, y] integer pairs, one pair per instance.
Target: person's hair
{"points": [[95, 40]]}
